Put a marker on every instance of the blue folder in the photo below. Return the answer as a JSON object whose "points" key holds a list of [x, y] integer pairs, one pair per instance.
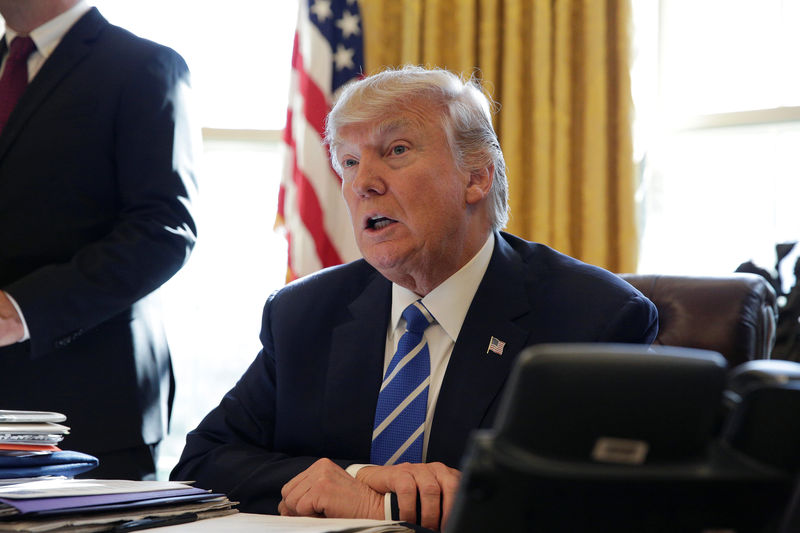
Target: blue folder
{"points": [[62, 463]]}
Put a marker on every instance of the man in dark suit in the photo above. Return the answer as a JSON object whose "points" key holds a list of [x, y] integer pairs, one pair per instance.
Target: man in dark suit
{"points": [[96, 175], [424, 180]]}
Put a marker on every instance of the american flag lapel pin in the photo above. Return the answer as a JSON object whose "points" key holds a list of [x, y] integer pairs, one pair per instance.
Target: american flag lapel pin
{"points": [[496, 346]]}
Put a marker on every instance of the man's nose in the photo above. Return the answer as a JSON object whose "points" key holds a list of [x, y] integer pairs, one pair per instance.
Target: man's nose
{"points": [[368, 179]]}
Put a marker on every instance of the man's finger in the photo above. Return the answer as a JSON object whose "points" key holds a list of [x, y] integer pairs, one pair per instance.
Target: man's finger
{"points": [[449, 490], [405, 487], [430, 496]]}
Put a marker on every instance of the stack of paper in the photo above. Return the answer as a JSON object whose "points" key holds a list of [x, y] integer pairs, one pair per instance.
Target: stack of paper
{"points": [[31, 431], [28, 448], [91, 505]]}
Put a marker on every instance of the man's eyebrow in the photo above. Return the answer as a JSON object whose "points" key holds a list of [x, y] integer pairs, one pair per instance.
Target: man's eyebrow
{"points": [[388, 126], [383, 128]]}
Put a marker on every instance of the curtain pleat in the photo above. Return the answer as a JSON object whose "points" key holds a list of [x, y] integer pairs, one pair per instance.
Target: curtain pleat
{"points": [[559, 71]]}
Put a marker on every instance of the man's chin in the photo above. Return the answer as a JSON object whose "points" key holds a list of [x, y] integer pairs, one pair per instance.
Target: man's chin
{"points": [[383, 263], [385, 260]]}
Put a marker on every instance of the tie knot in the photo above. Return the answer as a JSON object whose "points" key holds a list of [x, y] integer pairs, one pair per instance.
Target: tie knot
{"points": [[21, 48], [417, 317]]}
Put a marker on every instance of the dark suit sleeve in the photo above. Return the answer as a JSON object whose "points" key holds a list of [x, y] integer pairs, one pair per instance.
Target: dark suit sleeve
{"points": [[154, 231], [233, 448], [636, 322]]}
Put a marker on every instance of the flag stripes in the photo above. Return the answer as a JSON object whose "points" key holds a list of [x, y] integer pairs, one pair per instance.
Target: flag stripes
{"points": [[327, 53]]}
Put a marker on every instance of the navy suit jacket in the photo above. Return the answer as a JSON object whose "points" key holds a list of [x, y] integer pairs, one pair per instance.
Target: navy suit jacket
{"points": [[313, 388], [95, 180]]}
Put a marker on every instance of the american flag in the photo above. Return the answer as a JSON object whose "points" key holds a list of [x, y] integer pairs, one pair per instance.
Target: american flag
{"points": [[496, 346], [328, 52]]}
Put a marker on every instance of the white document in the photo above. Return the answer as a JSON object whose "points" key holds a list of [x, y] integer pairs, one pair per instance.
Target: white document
{"points": [[30, 416], [83, 487], [252, 523], [33, 427]]}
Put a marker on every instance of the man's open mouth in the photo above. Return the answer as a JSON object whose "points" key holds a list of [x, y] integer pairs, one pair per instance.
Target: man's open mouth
{"points": [[378, 222]]}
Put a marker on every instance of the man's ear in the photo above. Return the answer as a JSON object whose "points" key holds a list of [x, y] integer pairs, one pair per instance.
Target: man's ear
{"points": [[480, 183]]}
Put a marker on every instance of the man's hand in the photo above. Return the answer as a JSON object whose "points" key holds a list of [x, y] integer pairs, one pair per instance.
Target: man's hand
{"points": [[11, 329], [324, 489], [436, 484]]}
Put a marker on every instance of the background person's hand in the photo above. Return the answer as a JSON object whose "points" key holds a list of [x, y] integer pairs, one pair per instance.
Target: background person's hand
{"points": [[11, 329]]}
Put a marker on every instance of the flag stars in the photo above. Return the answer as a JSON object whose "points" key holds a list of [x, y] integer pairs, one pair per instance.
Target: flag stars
{"points": [[343, 58], [322, 9], [349, 24]]}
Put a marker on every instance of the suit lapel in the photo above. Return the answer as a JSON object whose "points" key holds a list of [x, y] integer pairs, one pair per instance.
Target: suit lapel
{"points": [[355, 372], [474, 378], [75, 45]]}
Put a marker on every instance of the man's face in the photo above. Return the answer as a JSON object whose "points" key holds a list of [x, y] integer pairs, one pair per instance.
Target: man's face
{"points": [[409, 205]]}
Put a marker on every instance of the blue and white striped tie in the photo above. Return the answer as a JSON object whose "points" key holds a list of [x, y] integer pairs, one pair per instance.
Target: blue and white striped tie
{"points": [[403, 399]]}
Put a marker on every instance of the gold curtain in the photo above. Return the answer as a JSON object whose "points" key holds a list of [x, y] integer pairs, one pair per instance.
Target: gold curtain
{"points": [[560, 71]]}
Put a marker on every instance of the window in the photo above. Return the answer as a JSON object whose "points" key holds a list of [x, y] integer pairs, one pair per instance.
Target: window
{"points": [[717, 97], [239, 54]]}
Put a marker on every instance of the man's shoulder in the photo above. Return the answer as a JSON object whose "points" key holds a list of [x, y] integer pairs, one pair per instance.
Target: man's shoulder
{"points": [[543, 258], [340, 281], [545, 264], [331, 276], [579, 301], [323, 298], [117, 41]]}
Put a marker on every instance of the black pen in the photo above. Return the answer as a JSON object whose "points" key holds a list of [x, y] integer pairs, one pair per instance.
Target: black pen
{"points": [[154, 521]]}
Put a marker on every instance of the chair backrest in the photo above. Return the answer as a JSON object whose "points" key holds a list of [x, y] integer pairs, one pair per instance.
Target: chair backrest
{"points": [[734, 314], [610, 437]]}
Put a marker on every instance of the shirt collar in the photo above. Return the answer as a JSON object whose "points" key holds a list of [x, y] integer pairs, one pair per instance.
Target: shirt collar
{"points": [[450, 301], [48, 35]]}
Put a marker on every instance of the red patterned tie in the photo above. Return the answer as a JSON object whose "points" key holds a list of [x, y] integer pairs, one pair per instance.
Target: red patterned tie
{"points": [[15, 76]]}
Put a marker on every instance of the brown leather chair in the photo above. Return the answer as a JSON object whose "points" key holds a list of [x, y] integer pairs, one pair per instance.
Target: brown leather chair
{"points": [[734, 314]]}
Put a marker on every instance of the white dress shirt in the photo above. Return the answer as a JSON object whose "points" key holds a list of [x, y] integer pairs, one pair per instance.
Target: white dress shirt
{"points": [[448, 303], [48, 35]]}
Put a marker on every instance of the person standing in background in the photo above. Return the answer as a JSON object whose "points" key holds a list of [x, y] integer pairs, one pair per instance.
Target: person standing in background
{"points": [[96, 180]]}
